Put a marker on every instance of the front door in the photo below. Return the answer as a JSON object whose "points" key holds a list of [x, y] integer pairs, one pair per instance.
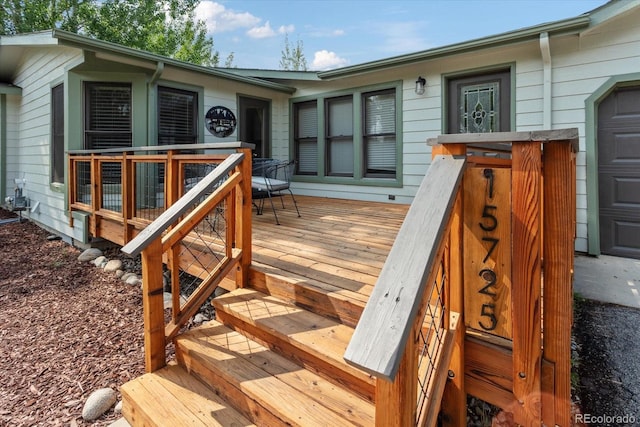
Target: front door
{"points": [[255, 117], [619, 172]]}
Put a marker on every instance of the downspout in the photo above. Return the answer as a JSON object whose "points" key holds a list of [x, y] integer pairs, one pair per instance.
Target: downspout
{"points": [[545, 50], [152, 130]]}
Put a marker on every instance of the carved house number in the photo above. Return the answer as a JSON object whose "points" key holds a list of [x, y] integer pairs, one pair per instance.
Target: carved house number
{"points": [[489, 223], [487, 249]]}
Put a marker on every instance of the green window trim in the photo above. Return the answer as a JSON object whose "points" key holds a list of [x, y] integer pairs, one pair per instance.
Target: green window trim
{"points": [[361, 176]]}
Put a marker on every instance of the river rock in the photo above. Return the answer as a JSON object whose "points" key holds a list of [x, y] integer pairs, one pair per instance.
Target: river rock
{"points": [[99, 402], [133, 280], [90, 254], [126, 276], [98, 262], [113, 265]]}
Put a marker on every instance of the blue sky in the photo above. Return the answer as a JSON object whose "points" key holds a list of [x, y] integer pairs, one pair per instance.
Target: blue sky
{"points": [[337, 33]]}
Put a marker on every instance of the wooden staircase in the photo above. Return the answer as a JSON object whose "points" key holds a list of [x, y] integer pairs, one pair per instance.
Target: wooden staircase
{"points": [[263, 361]]}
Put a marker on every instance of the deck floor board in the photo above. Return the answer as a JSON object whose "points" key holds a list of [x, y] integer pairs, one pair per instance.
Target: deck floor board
{"points": [[340, 243]]}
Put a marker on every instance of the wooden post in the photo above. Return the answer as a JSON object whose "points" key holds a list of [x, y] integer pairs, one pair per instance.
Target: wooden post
{"points": [[153, 306], [172, 180], [396, 403], [526, 224], [127, 195], [454, 400], [243, 220], [96, 194], [558, 251]]}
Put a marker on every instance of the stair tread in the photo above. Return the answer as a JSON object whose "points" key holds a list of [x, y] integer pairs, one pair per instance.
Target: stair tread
{"points": [[235, 365], [172, 396], [325, 338]]}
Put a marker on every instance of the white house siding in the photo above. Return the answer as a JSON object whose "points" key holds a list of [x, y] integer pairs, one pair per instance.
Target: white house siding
{"points": [[580, 67], [13, 104], [28, 153], [222, 92]]}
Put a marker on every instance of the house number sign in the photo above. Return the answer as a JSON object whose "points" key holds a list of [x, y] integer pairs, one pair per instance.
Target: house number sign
{"points": [[487, 249]]}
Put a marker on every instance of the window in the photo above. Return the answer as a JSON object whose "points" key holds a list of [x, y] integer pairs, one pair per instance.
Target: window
{"points": [[379, 133], [306, 137], [339, 125], [480, 103], [349, 138], [177, 116], [57, 134], [107, 115]]}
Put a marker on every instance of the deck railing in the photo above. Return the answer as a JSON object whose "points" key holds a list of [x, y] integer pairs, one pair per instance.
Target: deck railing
{"points": [[479, 285], [188, 212], [406, 334]]}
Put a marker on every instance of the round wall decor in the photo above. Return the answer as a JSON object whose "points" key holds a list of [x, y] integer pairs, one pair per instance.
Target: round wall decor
{"points": [[220, 121]]}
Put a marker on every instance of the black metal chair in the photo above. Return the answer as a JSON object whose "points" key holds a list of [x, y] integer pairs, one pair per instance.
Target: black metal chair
{"points": [[272, 178]]}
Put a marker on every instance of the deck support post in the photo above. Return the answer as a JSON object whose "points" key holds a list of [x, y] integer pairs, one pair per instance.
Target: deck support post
{"points": [[559, 229], [454, 399], [396, 404], [153, 306], [526, 276], [243, 219]]}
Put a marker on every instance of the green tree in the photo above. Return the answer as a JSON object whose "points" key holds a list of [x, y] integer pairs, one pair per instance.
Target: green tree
{"points": [[293, 58], [165, 27]]}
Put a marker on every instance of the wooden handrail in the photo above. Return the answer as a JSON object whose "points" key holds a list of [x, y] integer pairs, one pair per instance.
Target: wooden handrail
{"points": [[379, 341], [175, 211]]}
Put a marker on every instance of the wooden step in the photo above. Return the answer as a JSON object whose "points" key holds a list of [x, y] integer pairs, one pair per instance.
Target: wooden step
{"points": [[321, 298], [264, 386], [311, 340], [173, 397]]}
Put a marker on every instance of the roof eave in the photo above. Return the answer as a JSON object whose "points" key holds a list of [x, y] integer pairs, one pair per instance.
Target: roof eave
{"points": [[74, 40], [573, 25]]}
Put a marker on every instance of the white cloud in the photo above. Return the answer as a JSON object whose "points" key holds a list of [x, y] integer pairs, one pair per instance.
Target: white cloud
{"points": [[220, 19], [262, 32], [325, 60], [286, 29]]}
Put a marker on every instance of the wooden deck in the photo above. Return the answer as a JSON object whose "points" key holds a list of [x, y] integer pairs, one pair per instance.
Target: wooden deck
{"points": [[333, 253]]}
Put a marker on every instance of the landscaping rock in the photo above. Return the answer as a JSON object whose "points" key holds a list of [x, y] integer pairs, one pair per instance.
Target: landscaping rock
{"points": [[200, 318], [113, 265], [98, 262], [99, 402], [90, 254], [133, 280], [118, 408], [119, 273], [126, 275]]}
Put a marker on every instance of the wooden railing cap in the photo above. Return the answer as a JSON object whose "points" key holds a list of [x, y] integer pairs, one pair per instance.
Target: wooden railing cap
{"points": [[558, 135], [380, 338], [177, 147]]}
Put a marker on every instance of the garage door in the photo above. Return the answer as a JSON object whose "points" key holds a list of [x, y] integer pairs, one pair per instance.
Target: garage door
{"points": [[619, 172]]}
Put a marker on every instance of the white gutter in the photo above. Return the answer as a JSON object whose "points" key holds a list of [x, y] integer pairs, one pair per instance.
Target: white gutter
{"points": [[545, 50]]}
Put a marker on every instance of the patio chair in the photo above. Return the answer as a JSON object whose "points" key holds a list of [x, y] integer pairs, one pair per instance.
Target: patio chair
{"points": [[272, 178]]}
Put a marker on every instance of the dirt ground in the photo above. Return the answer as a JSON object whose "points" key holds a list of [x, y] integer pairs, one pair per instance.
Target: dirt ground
{"points": [[66, 329]]}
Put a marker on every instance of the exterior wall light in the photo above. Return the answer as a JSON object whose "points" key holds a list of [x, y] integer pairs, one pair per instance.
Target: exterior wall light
{"points": [[421, 83]]}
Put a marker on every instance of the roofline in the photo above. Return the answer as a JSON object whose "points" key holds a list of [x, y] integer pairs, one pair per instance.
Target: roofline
{"points": [[67, 38], [9, 89], [273, 74], [525, 34]]}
